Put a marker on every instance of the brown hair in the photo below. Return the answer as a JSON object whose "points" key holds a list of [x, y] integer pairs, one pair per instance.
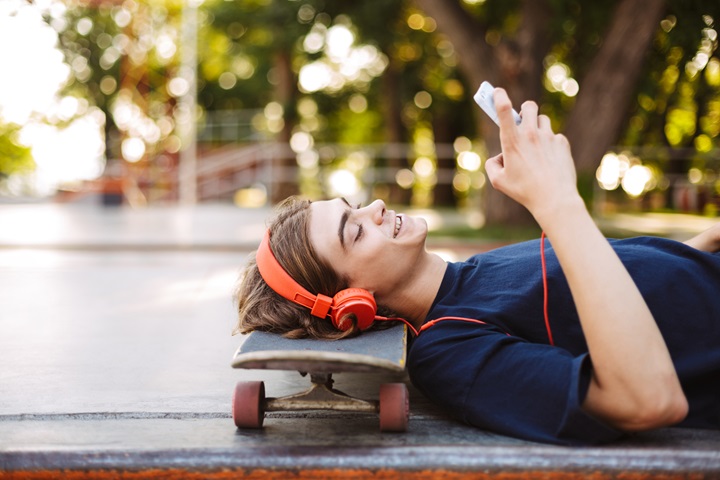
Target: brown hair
{"points": [[260, 308]]}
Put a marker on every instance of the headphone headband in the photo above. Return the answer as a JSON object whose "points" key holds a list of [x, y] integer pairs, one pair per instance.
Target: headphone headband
{"points": [[283, 284]]}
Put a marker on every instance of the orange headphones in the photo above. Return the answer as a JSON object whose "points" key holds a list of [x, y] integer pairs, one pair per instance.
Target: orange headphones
{"points": [[355, 301]]}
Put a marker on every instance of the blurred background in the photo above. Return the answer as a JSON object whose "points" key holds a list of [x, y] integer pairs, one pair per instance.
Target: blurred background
{"points": [[134, 103]]}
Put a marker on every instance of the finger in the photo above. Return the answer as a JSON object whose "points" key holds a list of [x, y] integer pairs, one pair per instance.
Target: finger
{"points": [[529, 111], [503, 106], [562, 140], [544, 123]]}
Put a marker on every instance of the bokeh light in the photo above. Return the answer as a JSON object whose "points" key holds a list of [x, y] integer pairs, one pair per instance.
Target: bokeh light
{"points": [[133, 149], [358, 103], [343, 62], [34, 84], [405, 178], [423, 99], [343, 183], [301, 141], [695, 175], [636, 180], [558, 79], [462, 144], [608, 173], [623, 170], [469, 161], [424, 167], [66, 155], [251, 197]]}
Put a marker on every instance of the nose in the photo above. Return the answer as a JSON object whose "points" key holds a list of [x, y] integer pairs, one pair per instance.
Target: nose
{"points": [[376, 210]]}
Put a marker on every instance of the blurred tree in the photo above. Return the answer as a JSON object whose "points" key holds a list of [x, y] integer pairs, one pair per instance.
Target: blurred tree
{"points": [[124, 59], [508, 44], [14, 157], [283, 38], [260, 48], [678, 99], [683, 72], [415, 64], [381, 23], [252, 55]]}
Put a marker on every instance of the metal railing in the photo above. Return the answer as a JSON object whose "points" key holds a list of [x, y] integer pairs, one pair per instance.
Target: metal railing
{"points": [[223, 171]]}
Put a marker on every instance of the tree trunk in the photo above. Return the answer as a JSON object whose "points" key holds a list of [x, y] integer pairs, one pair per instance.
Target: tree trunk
{"points": [[607, 87], [605, 92], [444, 131], [475, 56], [283, 184], [396, 133], [516, 65], [521, 71]]}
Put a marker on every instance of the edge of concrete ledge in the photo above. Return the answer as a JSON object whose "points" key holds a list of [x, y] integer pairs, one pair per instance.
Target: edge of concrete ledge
{"points": [[403, 458]]}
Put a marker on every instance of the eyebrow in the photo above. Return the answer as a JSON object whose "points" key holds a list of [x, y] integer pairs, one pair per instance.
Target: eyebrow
{"points": [[343, 220]]}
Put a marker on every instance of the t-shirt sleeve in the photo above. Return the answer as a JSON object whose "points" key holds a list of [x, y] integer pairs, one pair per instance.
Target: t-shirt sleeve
{"points": [[505, 384]]}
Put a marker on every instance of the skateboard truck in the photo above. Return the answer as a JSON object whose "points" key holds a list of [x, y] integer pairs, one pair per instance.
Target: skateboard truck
{"points": [[250, 404], [321, 396]]}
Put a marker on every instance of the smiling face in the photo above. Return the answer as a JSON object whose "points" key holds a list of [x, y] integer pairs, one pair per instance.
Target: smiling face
{"points": [[374, 248]]}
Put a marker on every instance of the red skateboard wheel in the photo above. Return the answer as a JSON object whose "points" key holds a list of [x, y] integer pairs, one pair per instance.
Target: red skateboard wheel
{"points": [[394, 407], [247, 405]]}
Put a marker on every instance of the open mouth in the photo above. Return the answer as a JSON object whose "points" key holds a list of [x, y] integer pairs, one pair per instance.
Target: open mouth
{"points": [[398, 225]]}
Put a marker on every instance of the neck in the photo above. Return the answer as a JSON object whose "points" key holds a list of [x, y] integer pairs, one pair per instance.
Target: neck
{"points": [[412, 300]]}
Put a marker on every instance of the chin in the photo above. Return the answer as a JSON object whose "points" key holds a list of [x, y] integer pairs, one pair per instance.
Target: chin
{"points": [[423, 228], [415, 230]]}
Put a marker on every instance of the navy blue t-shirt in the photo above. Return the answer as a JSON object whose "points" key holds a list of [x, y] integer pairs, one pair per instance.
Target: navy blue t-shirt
{"points": [[504, 376]]}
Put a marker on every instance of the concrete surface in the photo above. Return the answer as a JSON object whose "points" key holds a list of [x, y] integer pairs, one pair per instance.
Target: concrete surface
{"points": [[115, 353]]}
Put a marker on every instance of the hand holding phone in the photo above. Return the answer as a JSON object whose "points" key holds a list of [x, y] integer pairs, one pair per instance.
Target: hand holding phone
{"points": [[484, 98]]}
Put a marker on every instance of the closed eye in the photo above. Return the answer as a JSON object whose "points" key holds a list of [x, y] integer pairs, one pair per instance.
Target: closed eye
{"points": [[360, 227], [346, 215]]}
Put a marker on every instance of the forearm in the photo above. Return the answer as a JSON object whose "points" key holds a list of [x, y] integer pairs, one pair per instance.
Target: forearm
{"points": [[632, 367], [707, 241]]}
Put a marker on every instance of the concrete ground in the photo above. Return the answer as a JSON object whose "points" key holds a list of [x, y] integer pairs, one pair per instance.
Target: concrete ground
{"points": [[115, 352]]}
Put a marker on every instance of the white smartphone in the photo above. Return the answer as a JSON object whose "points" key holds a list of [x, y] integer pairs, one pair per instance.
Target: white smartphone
{"points": [[484, 98]]}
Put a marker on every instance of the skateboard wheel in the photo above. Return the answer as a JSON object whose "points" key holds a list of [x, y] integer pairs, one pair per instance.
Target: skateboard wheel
{"points": [[247, 405], [394, 407]]}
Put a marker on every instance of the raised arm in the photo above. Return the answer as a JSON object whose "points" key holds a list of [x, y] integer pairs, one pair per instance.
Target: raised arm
{"points": [[634, 384]]}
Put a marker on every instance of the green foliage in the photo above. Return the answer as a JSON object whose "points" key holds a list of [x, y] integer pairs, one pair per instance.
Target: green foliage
{"points": [[14, 157], [677, 105], [245, 38], [242, 44], [358, 128]]}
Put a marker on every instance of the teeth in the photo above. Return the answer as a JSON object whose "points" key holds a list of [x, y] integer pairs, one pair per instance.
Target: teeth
{"points": [[398, 224]]}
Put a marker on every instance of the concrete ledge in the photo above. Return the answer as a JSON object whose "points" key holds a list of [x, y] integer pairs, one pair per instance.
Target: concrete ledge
{"points": [[332, 446], [366, 462]]}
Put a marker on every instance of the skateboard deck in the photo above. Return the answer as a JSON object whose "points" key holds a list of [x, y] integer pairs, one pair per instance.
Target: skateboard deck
{"points": [[368, 352], [373, 351]]}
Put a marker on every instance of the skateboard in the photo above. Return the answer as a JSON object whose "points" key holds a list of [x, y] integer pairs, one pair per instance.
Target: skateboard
{"points": [[372, 351]]}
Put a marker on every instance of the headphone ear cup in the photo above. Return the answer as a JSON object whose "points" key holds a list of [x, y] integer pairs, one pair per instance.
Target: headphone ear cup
{"points": [[355, 301]]}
